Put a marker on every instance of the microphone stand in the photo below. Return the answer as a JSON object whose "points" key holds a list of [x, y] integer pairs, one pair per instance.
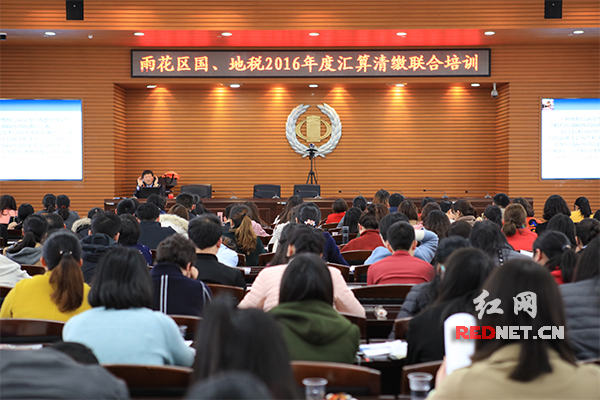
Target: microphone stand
{"points": [[311, 175]]}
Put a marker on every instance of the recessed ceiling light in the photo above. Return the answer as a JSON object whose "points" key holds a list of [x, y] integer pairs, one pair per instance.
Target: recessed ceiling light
{"points": [[235, 85], [313, 85], [139, 33], [578, 32], [401, 33], [489, 33], [226, 34], [150, 86], [313, 34], [475, 84], [50, 33]]}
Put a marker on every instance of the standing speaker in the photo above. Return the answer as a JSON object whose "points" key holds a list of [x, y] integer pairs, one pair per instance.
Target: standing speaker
{"points": [[75, 10], [553, 9]]}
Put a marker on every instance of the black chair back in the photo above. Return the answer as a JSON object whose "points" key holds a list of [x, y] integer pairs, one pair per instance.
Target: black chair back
{"points": [[267, 191], [204, 191], [305, 191]]}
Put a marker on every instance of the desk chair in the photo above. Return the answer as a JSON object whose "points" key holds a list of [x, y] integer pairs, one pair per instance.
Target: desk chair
{"points": [[22, 331], [218, 290], [151, 380], [341, 377]]}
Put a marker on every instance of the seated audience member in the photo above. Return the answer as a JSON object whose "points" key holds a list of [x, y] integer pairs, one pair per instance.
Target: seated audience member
{"points": [[180, 211], [358, 202], [465, 271], [257, 223], [121, 328], [382, 197], [554, 204], [531, 223], [82, 227], [55, 221], [401, 266], [28, 251], [95, 210], [231, 339], [521, 368], [462, 210], [339, 208], [291, 202], [446, 207], [426, 200], [243, 235], [519, 237], [427, 209], [187, 200], [368, 228], [493, 213], [460, 228], [502, 201], [152, 233], [586, 231], [311, 327], [129, 235], [582, 210], [425, 251], [423, 294], [105, 235], [200, 209], [49, 203], [597, 215], [229, 385], [126, 206], [486, 236], [205, 232], [281, 256], [8, 209], [69, 216], [57, 295], [10, 272], [581, 299], [51, 373], [266, 287], [379, 210], [438, 223], [159, 201], [564, 224], [310, 214], [351, 219], [409, 209], [177, 289], [552, 249], [148, 180], [395, 200], [24, 211], [175, 222]]}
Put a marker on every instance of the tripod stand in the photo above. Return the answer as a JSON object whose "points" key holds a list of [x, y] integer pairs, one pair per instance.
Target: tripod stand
{"points": [[311, 175]]}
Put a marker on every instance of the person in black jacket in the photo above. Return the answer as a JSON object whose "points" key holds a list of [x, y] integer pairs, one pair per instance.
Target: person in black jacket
{"points": [[152, 232], [105, 234], [176, 288], [205, 231]]}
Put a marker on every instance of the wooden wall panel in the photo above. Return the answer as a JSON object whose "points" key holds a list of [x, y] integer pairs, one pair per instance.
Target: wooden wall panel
{"points": [[406, 139], [443, 134], [308, 14]]}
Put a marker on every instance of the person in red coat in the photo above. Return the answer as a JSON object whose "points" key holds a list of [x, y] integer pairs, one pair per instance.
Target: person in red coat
{"points": [[519, 237], [401, 266], [368, 238], [339, 208]]}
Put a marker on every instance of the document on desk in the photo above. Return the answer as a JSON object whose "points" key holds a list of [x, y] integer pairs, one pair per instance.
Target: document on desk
{"points": [[396, 349]]}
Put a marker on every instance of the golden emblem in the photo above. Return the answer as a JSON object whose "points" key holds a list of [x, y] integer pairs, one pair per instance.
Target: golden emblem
{"points": [[313, 129]]}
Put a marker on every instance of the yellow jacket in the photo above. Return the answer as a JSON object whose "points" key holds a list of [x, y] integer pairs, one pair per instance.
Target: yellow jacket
{"points": [[488, 379], [30, 298], [576, 216]]}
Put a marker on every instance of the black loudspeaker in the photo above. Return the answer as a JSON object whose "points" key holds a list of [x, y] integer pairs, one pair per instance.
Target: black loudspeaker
{"points": [[553, 9], [75, 10]]}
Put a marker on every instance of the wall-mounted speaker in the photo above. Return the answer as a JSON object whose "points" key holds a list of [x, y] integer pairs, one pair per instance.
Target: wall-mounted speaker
{"points": [[75, 10], [553, 9]]}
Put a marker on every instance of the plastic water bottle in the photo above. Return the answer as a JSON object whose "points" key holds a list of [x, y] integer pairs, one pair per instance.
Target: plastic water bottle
{"points": [[345, 234]]}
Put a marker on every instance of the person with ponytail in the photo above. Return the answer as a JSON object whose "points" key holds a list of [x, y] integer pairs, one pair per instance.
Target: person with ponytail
{"points": [[582, 210], [49, 203], [246, 241], [519, 237], [69, 216], [57, 295], [553, 250], [28, 251]]}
